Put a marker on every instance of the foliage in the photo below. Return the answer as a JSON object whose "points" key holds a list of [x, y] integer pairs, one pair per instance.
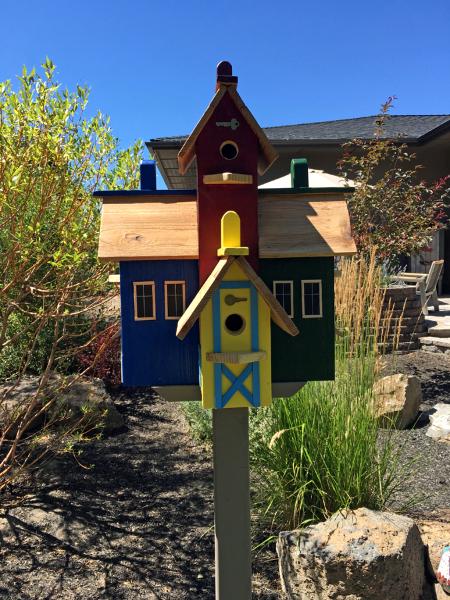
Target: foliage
{"points": [[52, 157], [320, 451], [102, 355], [200, 421], [391, 208]]}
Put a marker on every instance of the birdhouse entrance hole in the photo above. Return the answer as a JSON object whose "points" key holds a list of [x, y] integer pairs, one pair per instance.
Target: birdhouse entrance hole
{"points": [[229, 150], [235, 324]]}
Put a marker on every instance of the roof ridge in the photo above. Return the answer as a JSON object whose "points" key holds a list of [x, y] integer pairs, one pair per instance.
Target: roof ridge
{"points": [[352, 119]]}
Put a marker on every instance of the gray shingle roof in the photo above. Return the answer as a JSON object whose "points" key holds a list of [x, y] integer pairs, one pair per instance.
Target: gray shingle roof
{"points": [[412, 128]]}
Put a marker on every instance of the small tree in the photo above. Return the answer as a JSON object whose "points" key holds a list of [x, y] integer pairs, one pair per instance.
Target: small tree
{"points": [[52, 157], [392, 208]]}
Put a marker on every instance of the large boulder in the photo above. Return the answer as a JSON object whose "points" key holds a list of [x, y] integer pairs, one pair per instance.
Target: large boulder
{"points": [[397, 399], [75, 401], [88, 399], [440, 423], [435, 536], [360, 555]]}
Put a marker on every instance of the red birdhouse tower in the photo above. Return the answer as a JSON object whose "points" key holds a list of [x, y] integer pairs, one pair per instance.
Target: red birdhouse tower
{"points": [[231, 149]]}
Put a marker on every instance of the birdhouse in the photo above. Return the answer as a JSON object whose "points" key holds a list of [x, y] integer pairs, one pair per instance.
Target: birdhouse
{"points": [[227, 291]]}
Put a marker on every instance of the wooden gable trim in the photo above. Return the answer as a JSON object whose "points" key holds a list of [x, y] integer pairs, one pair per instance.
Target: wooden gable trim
{"points": [[186, 155], [268, 155], [277, 312], [194, 309]]}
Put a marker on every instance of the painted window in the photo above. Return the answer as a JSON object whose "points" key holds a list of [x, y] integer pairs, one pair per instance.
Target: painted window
{"points": [[144, 300], [175, 299], [284, 293], [311, 298]]}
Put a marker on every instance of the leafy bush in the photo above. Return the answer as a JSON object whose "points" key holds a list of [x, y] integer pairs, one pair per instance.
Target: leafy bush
{"points": [[101, 357], [392, 208], [52, 158], [200, 421]]}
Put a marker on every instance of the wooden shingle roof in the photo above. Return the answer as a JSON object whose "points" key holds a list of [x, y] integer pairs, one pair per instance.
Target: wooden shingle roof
{"points": [[163, 225]]}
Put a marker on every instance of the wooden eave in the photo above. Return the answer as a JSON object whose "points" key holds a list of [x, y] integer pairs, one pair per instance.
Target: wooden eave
{"points": [[267, 153], [193, 311]]}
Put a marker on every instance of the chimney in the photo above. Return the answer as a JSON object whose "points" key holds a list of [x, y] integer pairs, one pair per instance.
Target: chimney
{"points": [[299, 173], [148, 175], [225, 75]]}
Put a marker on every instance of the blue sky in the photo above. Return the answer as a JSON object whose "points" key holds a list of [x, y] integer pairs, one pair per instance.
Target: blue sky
{"points": [[151, 64]]}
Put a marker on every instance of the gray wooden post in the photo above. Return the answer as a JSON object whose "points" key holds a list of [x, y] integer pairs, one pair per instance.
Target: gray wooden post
{"points": [[232, 504]]}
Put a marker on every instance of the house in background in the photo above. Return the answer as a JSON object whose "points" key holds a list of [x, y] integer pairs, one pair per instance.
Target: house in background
{"points": [[320, 143]]}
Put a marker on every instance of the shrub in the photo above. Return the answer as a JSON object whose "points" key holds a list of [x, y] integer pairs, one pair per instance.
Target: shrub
{"points": [[52, 157], [101, 357], [392, 208]]}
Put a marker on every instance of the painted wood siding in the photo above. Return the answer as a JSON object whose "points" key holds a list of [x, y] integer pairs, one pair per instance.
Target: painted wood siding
{"points": [[310, 355], [151, 352]]}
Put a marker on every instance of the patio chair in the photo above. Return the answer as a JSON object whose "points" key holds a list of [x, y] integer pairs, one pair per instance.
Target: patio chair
{"points": [[426, 284]]}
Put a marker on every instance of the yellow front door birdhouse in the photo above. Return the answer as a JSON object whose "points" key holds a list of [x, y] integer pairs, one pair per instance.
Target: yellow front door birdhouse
{"points": [[235, 308]]}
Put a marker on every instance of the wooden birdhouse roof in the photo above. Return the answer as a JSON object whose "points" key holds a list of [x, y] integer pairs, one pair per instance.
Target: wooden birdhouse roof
{"points": [[193, 311], [226, 84], [139, 225]]}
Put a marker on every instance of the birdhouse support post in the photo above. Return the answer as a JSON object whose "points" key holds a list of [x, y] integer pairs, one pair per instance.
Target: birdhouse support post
{"points": [[232, 504]]}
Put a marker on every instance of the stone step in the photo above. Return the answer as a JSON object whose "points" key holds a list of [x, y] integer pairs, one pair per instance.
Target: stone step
{"points": [[438, 342], [441, 331]]}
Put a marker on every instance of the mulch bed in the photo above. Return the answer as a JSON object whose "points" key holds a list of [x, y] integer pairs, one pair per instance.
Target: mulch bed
{"points": [[136, 520]]}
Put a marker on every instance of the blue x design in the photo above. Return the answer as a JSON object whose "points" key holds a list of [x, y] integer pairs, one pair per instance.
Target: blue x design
{"points": [[237, 384]]}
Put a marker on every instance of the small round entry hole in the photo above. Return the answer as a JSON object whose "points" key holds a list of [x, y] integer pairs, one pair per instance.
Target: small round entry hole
{"points": [[229, 150], [234, 324]]}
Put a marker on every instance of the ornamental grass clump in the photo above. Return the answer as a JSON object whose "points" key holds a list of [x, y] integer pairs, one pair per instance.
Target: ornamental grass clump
{"points": [[320, 451]]}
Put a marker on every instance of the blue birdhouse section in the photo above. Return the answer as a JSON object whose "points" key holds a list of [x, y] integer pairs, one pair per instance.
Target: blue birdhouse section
{"points": [[154, 295]]}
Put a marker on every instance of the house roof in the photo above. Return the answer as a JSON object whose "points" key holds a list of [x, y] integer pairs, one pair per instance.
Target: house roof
{"points": [[412, 129], [187, 153], [193, 311], [161, 225], [409, 127]]}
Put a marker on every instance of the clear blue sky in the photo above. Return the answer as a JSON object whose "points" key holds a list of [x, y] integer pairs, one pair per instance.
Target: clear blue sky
{"points": [[151, 64]]}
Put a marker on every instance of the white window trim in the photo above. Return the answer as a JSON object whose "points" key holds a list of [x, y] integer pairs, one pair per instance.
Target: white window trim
{"points": [[166, 316], [320, 315], [291, 283], [152, 284]]}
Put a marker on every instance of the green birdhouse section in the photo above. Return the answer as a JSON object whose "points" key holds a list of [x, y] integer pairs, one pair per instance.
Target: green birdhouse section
{"points": [[305, 288]]}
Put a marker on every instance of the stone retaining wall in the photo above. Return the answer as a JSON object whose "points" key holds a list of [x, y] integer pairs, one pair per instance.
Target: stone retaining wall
{"points": [[405, 305]]}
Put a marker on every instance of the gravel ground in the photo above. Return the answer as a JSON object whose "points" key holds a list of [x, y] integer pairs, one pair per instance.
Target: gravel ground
{"points": [[135, 521], [430, 485]]}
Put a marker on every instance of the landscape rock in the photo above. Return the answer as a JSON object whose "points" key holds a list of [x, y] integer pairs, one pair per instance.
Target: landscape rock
{"points": [[360, 555], [397, 399], [86, 398], [435, 535], [440, 423]]}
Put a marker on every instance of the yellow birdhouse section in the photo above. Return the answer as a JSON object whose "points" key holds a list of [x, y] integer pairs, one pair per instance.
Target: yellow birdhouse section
{"points": [[235, 368]]}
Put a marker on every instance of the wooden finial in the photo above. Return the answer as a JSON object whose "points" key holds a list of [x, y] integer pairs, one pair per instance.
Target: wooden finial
{"points": [[225, 74]]}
